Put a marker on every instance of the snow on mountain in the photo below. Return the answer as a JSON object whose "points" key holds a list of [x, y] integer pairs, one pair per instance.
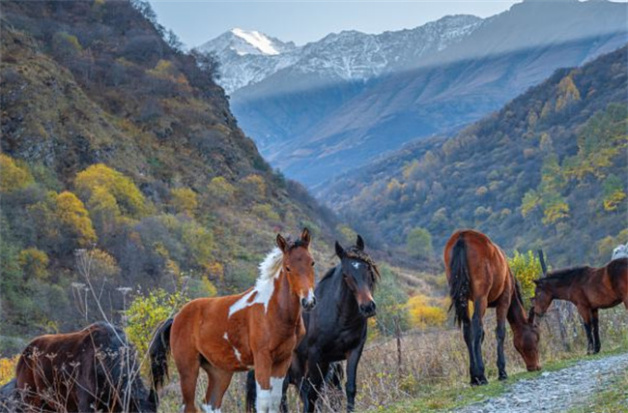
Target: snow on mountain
{"points": [[248, 57]]}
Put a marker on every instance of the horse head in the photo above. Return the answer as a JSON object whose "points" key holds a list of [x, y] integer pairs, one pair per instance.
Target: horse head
{"points": [[298, 265], [542, 297], [526, 340], [360, 274]]}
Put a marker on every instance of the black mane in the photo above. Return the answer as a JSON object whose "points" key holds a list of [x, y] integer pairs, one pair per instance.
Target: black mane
{"points": [[566, 274]]}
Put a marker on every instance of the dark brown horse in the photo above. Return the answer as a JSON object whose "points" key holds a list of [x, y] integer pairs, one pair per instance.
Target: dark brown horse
{"points": [[477, 271], [589, 289], [90, 370]]}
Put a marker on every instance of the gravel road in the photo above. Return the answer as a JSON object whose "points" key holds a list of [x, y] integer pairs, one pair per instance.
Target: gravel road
{"points": [[555, 391]]}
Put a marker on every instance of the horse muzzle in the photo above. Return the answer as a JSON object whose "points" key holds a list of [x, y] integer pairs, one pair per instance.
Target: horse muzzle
{"points": [[369, 309], [308, 303]]}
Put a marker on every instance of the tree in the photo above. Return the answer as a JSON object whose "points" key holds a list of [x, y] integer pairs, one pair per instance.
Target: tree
{"points": [[526, 268], [12, 175], [74, 219], [613, 192], [419, 243], [34, 263], [184, 201]]}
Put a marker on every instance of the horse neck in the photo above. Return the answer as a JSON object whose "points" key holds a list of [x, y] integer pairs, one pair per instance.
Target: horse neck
{"points": [[348, 310], [516, 316], [287, 302]]}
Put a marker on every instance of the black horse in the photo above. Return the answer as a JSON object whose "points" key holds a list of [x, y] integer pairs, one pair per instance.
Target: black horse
{"points": [[93, 369], [336, 329]]}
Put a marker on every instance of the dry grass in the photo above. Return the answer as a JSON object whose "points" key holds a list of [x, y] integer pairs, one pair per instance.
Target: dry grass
{"points": [[430, 361]]}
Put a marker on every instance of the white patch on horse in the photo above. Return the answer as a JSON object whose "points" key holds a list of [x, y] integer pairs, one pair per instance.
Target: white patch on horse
{"points": [[621, 251], [226, 337], [355, 264], [207, 408], [269, 269], [237, 354], [264, 399], [276, 390]]}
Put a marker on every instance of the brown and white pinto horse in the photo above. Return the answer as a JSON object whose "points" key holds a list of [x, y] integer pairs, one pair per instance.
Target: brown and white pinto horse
{"points": [[258, 328], [477, 271], [589, 289]]}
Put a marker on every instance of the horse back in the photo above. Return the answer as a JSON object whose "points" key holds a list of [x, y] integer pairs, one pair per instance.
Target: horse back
{"points": [[487, 265]]}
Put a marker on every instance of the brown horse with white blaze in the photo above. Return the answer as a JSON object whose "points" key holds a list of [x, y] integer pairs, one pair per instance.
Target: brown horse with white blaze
{"points": [[477, 271], [589, 289], [258, 328]]}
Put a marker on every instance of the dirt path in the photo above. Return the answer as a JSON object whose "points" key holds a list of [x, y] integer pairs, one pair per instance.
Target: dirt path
{"points": [[555, 391]]}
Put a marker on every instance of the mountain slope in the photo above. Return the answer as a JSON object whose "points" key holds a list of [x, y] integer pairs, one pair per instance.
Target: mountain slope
{"points": [[546, 170], [118, 147], [315, 123]]}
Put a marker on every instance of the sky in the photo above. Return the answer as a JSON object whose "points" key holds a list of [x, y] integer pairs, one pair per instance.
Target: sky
{"points": [[303, 21]]}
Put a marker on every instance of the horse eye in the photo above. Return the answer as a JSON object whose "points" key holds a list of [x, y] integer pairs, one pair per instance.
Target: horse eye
{"points": [[313, 263], [288, 269]]}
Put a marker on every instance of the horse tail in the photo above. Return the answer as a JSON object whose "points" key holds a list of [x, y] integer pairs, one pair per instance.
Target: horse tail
{"points": [[159, 349], [460, 281], [251, 392]]}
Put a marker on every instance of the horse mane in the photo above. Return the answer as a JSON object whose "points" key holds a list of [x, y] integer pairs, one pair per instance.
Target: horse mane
{"points": [[271, 266], [358, 254], [565, 274], [518, 291]]}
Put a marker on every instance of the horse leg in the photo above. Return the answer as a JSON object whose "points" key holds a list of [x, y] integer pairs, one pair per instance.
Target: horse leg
{"points": [[312, 382], [596, 331], [467, 332], [585, 313], [353, 358], [478, 337], [500, 334], [188, 372], [218, 382], [279, 385]]}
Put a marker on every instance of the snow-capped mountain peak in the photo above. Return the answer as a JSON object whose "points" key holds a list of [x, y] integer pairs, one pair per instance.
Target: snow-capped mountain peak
{"points": [[257, 40]]}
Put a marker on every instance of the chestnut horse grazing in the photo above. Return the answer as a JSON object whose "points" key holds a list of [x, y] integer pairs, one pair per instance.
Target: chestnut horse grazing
{"points": [[477, 271], [258, 328], [87, 371], [589, 289]]}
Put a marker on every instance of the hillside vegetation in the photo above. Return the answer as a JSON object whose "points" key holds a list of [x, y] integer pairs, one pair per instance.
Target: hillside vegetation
{"points": [[122, 167], [547, 171]]}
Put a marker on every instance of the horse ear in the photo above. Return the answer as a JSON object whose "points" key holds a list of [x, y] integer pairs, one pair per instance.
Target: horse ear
{"points": [[281, 243], [305, 236], [340, 252], [360, 243]]}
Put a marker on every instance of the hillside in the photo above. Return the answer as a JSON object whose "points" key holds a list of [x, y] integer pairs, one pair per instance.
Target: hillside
{"points": [[348, 99], [122, 166], [546, 171]]}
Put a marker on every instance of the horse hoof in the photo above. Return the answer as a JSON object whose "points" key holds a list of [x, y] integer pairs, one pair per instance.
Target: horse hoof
{"points": [[478, 381], [503, 377]]}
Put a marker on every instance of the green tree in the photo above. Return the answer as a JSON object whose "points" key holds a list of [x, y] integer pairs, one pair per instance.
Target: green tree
{"points": [[419, 243], [34, 263]]}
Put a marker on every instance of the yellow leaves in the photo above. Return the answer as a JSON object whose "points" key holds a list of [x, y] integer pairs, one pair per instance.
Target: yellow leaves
{"points": [[426, 312], [7, 369], [612, 201], [255, 185], [266, 212], [101, 178], [567, 93], [145, 314], [526, 268], [555, 210], [73, 216], [220, 191], [34, 263], [184, 201], [12, 175]]}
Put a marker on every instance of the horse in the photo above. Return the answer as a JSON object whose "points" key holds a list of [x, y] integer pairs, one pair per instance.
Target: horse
{"points": [[336, 330], [90, 370], [477, 270], [258, 328], [589, 289]]}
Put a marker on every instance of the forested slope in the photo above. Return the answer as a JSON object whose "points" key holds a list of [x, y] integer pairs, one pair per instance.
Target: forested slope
{"points": [[548, 170]]}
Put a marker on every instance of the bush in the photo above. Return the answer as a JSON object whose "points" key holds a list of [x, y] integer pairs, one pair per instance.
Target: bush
{"points": [[7, 369], [423, 313], [145, 314], [526, 268], [34, 263], [13, 176]]}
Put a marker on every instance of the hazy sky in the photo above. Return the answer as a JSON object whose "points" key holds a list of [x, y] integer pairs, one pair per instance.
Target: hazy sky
{"points": [[196, 22]]}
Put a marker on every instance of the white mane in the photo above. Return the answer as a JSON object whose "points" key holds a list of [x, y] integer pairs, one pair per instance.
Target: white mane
{"points": [[269, 270], [621, 251]]}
